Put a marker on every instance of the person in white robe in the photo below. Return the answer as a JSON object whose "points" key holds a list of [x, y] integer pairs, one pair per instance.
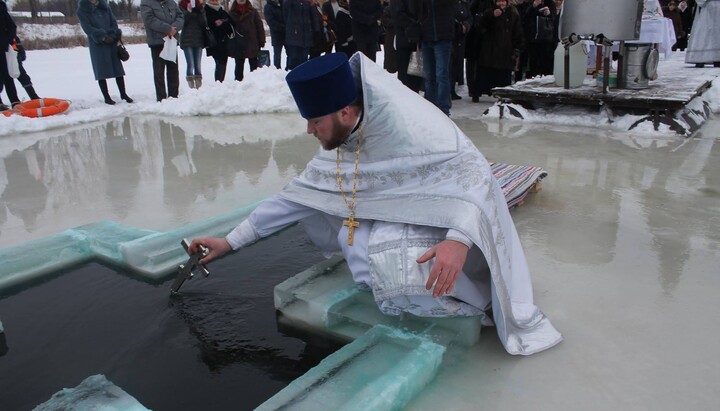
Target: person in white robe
{"points": [[407, 199], [704, 44]]}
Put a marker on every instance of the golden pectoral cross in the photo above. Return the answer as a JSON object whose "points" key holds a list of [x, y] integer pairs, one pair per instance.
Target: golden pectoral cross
{"points": [[351, 224]]}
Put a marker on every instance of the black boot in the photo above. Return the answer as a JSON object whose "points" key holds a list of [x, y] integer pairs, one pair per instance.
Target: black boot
{"points": [[104, 89], [455, 96], [699, 65], [716, 64], [121, 86], [31, 92]]}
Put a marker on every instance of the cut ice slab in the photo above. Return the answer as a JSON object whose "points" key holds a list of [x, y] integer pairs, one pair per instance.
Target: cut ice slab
{"points": [[95, 393], [324, 300], [382, 370]]}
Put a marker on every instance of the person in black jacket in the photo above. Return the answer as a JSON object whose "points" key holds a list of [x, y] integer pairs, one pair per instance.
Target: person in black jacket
{"points": [[407, 36], [366, 25], [540, 54], [463, 20], [274, 18], [8, 31], [437, 21], [221, 25], [501, 45], [343, 30]]}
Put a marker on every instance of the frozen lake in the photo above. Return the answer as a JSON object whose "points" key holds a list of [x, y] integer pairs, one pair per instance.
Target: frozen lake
{"points": [[623, 243]]}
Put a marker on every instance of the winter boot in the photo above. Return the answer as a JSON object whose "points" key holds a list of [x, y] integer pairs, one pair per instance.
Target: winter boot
{"points": [[121, 87], [31, 92], [198, 81], [105, 93], [191, 81]]}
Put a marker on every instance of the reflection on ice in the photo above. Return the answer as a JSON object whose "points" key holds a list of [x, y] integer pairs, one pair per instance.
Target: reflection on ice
{"points": [[121, 170]]}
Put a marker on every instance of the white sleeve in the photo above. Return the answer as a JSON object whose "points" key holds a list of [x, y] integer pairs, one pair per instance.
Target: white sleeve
{"points": [[459, 237], [269, 217]]}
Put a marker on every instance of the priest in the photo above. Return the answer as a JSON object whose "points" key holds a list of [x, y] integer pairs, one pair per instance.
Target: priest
{"points": [[406, 198]]}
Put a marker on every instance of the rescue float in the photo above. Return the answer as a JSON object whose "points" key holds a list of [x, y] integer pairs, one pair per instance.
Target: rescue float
{"points": [[42, 107]]}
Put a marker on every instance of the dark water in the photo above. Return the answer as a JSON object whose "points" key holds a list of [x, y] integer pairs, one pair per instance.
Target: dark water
{"points": [[216, 346]]}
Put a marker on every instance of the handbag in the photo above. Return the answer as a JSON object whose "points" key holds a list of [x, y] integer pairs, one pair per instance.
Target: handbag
{"points": [[235, 44], [415, 66], [13, 66], [209, 40], [264, 58], [122, 52], [544, 29]]}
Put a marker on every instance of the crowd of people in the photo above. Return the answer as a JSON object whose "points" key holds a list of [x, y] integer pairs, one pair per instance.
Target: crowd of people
{"points": [[479, 43]]}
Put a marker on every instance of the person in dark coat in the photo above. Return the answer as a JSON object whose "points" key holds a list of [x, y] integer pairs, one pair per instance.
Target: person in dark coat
{"points": [[366, 25], [671, 12], [301, 23], [390, 62], [687, 13], [276, 23], [541, 53], [463, 21], [406, 41], [473, 44], [192, 39], [342, 24], [248, 23], [9, 29], [501, 45], [437, 22], [330, 8], [162, 18], [523, 7], [324, 39], [24, 77], [98, 22], [220, 23]]}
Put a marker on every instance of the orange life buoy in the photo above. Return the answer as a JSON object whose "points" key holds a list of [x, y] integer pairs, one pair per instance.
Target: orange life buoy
{"points": [[42, 107]]}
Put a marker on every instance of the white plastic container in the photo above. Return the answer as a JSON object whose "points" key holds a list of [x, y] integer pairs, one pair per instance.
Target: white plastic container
{"points": [[578, 64]]}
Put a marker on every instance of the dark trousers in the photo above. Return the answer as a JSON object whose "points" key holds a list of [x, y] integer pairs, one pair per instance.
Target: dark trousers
{"points": [[240, 66], [7, 82], [277, 53], [368, 48], [162, 67], [220, 66], [402, 59], [489, 78], [296, 56]]}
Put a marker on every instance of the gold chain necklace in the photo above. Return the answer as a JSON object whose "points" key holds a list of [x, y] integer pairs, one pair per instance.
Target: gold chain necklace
{"points": [[350, 223]]}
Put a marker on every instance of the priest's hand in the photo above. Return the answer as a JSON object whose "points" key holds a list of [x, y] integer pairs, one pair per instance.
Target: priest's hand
{"points": [[217, 246], [450, 258]]}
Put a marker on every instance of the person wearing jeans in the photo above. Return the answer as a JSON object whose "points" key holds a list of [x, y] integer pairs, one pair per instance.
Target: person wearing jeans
{"points": [[192, 39], [437, 21], [162, 18]]}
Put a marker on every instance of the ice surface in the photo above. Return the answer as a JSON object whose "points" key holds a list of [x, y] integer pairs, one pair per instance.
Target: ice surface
{"points": [[325, 300], [95, 393], [382, 370], [148, 254]]}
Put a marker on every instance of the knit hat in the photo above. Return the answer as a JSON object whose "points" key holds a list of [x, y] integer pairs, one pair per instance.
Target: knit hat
{"points": [[322, 85]]}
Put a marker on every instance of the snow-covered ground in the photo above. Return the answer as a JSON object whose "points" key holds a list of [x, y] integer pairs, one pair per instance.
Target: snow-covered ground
{"points": [[67, 74]]}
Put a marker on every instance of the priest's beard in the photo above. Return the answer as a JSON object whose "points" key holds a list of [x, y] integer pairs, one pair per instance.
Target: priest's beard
{"points": [[338, 134]]}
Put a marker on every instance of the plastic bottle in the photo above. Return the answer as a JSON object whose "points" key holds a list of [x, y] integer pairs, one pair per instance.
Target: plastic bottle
{"points": [[578, 65]]}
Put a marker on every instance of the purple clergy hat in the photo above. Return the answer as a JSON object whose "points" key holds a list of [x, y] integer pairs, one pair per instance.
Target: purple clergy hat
{"points": [[322, 85]]}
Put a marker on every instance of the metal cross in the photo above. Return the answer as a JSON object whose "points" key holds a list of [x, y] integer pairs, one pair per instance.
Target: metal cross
{"points": [[185, 271], [351, 224]]}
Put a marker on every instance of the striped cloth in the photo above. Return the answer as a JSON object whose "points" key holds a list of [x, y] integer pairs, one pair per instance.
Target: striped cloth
{"points": [[516, 181]]}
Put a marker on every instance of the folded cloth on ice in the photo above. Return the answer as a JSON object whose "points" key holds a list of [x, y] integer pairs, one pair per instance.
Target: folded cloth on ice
{"points": [[516, 181]]}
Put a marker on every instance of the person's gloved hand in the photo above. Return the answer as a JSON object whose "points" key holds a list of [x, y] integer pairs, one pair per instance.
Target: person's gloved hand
{"points": [[108, 40]]}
